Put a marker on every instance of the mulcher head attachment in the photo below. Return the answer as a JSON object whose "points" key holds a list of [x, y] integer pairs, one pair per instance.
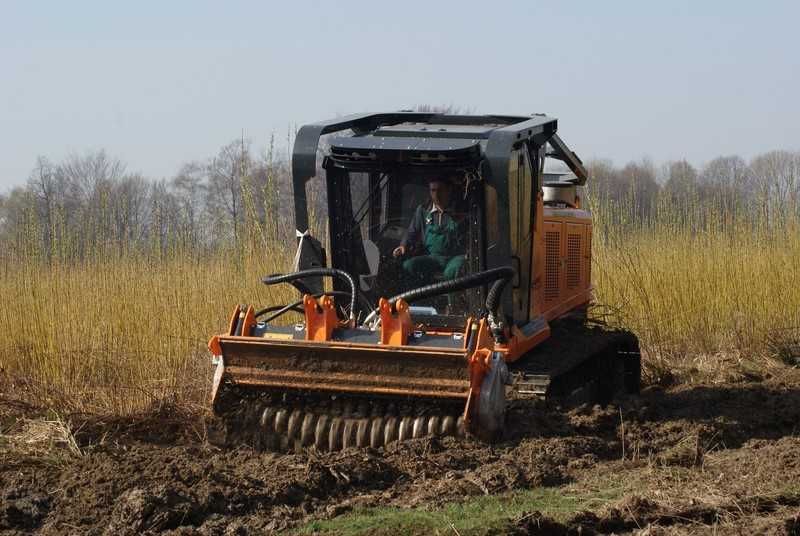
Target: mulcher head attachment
{"points": [[278, 388]]}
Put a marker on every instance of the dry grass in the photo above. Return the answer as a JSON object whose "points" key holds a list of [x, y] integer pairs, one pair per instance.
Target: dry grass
{"points": [[48, 440], [121, 335], [118, 336], [721, 304]]}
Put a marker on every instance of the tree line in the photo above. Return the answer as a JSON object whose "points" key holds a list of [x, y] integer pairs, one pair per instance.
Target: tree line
{"points": [[724, 194], [91, 205]]}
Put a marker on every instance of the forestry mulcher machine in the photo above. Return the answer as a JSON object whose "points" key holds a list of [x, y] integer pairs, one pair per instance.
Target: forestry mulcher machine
{"points": [[377, 354]]}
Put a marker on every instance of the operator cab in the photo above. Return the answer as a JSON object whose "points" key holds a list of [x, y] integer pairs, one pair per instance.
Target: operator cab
{"points": [[378, 181], [370, 215], [376, 169]]}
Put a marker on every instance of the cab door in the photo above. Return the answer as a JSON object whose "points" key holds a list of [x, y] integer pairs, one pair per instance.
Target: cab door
{"points": [[520, 195]]}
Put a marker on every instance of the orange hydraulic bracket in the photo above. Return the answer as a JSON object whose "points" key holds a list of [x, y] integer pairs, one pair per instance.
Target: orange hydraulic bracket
{"points": [[249, 321], [320, 318], [214, 346], [471, 329], [234, 318], [479, 365], [395, 327]]}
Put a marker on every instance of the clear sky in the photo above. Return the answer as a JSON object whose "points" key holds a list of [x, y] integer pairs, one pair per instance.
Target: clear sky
{"points": [[160, 83]]}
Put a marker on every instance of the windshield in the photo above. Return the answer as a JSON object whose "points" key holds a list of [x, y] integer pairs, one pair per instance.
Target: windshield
{"points": [[400, 230]]}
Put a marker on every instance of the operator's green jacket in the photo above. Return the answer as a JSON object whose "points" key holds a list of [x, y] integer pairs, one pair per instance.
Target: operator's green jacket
{"points": [[434, 232]]}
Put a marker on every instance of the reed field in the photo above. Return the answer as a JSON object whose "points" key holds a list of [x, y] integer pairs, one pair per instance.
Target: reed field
{"points": [[712, 293], [122, 335], [712, 306]]}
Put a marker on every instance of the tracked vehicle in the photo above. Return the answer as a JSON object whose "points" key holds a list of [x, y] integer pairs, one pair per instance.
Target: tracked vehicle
{"points": [[374, 355]]}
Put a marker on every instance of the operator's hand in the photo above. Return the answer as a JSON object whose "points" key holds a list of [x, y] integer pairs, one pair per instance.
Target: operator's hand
{"points": [[399, 251]]}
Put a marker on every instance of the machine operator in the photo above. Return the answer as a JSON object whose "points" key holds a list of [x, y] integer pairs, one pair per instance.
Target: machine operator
{"points": [[434, 240]]}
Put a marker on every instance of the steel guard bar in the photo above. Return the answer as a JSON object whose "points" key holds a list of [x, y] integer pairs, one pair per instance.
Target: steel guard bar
{"points": [[333, 367]]}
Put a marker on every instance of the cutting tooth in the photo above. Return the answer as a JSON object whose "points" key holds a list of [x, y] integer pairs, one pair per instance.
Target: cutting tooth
{"points": [[390, 430], [405, 431], [448, 426], [307, 429], [321, 432], [433, 426], [266, 419], [420, 427], [253, 413], [270, 440], [362, 433], [335, 434], [293, 426], [376, 432], [349, 433], [281, 419]]}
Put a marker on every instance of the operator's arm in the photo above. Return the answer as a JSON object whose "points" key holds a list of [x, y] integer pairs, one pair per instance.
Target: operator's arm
{"points": [[413, 234]]}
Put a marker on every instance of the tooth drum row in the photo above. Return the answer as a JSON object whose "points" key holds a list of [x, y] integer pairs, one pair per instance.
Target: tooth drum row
{"points": [[282, 428]]}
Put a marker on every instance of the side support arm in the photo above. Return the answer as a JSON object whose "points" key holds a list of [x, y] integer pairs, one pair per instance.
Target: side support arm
{"points": [[563, 153]]}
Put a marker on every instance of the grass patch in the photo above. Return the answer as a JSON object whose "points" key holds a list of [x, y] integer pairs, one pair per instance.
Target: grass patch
{"points": [[480, 515]]}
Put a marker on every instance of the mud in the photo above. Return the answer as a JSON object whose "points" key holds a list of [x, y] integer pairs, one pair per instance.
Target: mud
{"points": [[689, 459]]}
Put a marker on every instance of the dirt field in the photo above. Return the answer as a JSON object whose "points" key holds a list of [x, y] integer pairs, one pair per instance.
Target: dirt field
{"points": [[721, 459]]}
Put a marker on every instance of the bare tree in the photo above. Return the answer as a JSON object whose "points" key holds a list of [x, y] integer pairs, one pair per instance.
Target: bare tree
{"points": [[639, 179], [129, 210], [190, 189], [777, 178], [225, 174], [42, 184], [680, 191], [727, 183]]}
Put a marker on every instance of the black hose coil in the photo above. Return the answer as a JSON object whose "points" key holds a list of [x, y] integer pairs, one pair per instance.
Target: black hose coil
{"points": [[316, 272], [501, 275]]}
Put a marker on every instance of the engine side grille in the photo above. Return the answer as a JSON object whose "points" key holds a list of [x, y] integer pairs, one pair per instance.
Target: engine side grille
{"points": [[573, 261], [552, 243], [588, 268]]}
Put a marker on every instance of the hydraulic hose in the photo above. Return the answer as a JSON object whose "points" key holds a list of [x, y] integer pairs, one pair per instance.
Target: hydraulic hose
{"points": [[272, 308], [493, 302], [503, 273], [317, 272], [461, 283], [296, 306], [496, 290]]}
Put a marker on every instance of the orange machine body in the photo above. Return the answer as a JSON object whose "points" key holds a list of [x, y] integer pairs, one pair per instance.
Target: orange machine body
{"points": [[514, 216], [561, 282]]}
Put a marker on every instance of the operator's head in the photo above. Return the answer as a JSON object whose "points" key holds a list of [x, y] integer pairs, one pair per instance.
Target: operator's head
{"points": [[439, 188]]}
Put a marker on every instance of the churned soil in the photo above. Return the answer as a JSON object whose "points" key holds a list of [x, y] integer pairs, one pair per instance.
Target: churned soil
{"points": [[687, 459]]}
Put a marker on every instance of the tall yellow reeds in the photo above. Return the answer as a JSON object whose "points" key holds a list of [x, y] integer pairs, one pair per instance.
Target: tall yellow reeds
{"points": [[710, 292], [117, 335]]}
